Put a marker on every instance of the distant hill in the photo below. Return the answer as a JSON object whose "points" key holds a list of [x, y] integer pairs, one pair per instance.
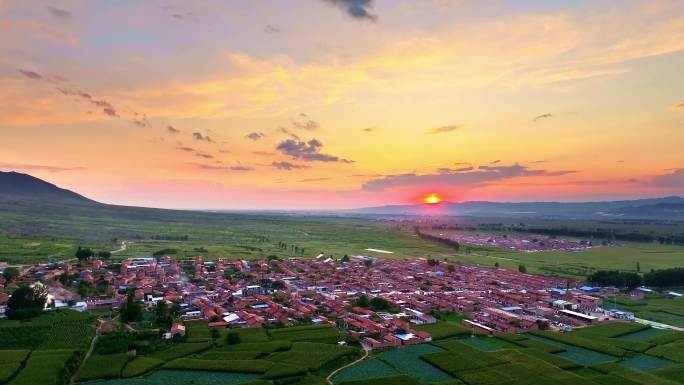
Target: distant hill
{"points": [[652, 208], [22, 187]]}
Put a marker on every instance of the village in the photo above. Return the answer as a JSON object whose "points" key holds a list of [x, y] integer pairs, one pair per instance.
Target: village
{"points": [[378, 301], [528, 243]]}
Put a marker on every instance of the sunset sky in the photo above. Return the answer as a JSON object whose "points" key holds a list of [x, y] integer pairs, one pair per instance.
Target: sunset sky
{"points": [[335, 104]]}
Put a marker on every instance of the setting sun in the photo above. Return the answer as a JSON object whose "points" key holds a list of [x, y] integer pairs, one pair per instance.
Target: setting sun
{"points": [[432, 199]]}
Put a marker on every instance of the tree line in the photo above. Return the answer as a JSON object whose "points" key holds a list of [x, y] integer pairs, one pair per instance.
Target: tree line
{"points": [[434, 238], [672, 277]]}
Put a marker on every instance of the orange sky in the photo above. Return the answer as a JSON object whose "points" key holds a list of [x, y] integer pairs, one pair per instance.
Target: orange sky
{"points": [[344, 103]]}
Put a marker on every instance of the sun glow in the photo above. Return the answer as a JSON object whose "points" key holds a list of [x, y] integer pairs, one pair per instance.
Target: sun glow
{"points": [[432, 199]]}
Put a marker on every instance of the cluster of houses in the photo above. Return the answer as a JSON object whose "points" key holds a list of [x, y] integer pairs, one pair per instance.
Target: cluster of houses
{"points": [[529, 243], [237, 293]]}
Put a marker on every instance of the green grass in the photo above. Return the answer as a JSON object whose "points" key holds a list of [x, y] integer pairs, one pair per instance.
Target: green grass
{"points": [[261, 347], [588, 343], [238, 366], [280, 370], [13, 356], [101, 366], [43, 367], [580, 264], [444, 329], [312, 355], [215, 354], [407, 361], [189, 377], [180, 350], [367, 369], [623, 375], [7, 370], [393, 380], [60, 329], [309, 333], [140, 365], [28, 231], [673, 351]]}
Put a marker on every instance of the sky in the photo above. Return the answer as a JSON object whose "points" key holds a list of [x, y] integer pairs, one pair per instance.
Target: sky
{"points": [[323, 104]]}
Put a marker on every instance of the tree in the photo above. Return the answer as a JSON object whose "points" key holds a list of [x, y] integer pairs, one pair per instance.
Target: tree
{"points": [[10, 273], [496, 264], [27, 302], [104, 255], [232, 338], [522, 268], [451, 268], [362, 301], [84, 254], [131, 311], [378, 304], [638, 267], [345, 258], [616, 278]]}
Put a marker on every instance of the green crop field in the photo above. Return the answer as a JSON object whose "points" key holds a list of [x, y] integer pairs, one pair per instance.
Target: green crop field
{"points": [[367, 369], [407, 361], [580, 264], [30, 232]]}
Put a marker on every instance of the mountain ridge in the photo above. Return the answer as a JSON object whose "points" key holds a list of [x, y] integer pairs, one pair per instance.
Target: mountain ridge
{"points": [[19, 186]]}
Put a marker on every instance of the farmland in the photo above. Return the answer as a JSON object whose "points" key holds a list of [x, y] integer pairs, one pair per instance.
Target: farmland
{"points": [[528, 359], [30, 232], [44, 350], [267, 355]]}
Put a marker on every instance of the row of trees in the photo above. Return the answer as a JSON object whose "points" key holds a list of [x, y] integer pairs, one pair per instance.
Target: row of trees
{"points": [[673, 277], [292, 248], [430, 237], [616, 278], [84, 254]]}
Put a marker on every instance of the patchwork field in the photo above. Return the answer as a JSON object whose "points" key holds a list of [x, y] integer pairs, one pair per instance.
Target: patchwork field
{"points": [[588, 356], [266, 356]]}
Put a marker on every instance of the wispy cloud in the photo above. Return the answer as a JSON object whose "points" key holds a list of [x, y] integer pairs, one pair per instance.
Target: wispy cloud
{"points": [[172, 130], [443, 129], [288, 166], [307, 180], [59, 13], [38, 167], [357, 9], [308, 151], [673, 179], [238, 167], [255, 136], [185, 149], [200, 137], [461, 177], [31, 74], [272, 29], [542, 116], [204, 155], [369, 129], [680, 105]]}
